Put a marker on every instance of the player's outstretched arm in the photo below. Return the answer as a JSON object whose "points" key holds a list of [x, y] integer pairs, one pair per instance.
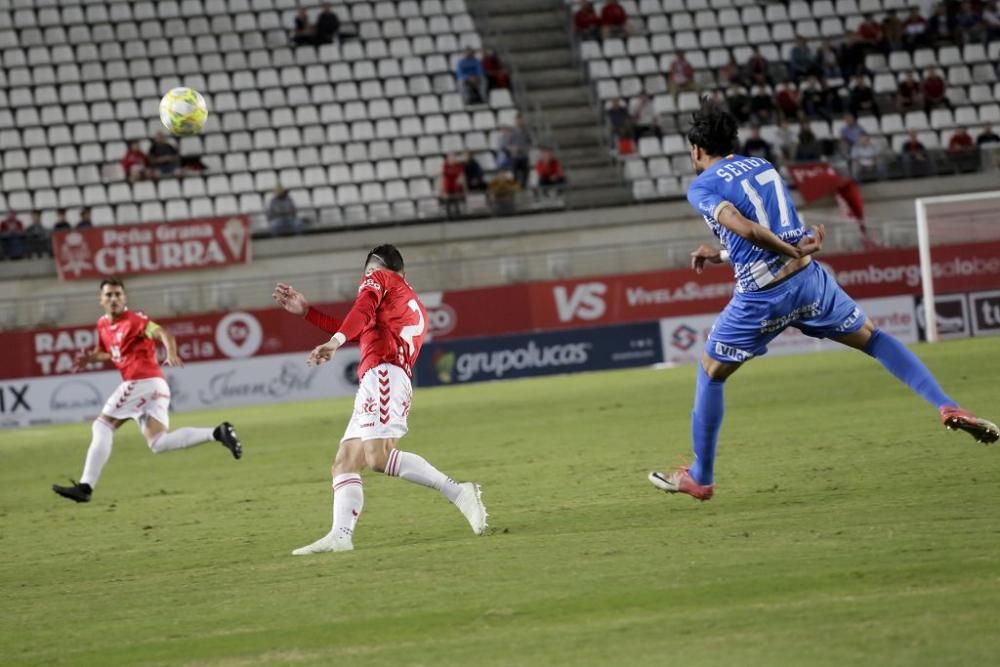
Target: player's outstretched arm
{"points": [[84, 358], [706, 253], [170, 344], [762, 237], [295, 303]]}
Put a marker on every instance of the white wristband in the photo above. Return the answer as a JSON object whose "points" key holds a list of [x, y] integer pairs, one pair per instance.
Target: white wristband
{"points": [[724, 255], [339, 337]]}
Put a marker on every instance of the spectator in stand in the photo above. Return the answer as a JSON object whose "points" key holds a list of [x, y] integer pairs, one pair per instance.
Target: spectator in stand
{"points": [[643, 118], [518, 145], [303, 31], [680, 74], [730, 75], [969, 23], [916, 159], [852, 56], [61, 222], [496, 73], [851, 132], [987, 137], [934, 90], [787, 100], [327, 25], [549, 170], [815, 100], [738, 103], [12, 236], [757, 67], [991, 20], [475, 179], [862, 98], [502, 192], [808, 148], [914, 30], [866, 159], [587, 22], [620, 121], [801, 59], [471, 78], [85, 221], [828, 61], [762, 107], [892, 31], [963, 151], [757, 146], [939, 27], [282, 216], [614, 21], [36, 237], [164, 158], [870, 33], [908, 95], [451, 186], [135, 164], [786, 141], [503, 158]]}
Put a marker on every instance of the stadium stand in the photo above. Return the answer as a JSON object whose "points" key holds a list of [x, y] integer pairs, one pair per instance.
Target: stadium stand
{"points": [[715, 34], [356, 129]]}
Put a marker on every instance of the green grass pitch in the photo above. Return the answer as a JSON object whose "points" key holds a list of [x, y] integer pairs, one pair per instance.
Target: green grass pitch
{"points": [[848, 528]]}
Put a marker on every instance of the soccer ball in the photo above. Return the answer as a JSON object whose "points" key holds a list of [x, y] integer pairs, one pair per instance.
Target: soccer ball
{"points": [[183, 111]]}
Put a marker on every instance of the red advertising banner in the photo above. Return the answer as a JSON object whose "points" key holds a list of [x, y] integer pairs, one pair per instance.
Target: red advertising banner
{"points": [[124, 250]]}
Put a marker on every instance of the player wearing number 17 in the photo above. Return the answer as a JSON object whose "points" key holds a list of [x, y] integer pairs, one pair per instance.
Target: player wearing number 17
{"points": [[390, 322], [747, 206]]}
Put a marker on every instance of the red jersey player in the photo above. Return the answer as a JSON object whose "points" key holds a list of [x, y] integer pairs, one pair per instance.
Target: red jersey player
{"points": [[390, 322], [128, 339]]}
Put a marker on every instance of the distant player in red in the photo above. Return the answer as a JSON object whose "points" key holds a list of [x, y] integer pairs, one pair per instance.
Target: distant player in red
{"points": [[128, 339], [390, 323]]}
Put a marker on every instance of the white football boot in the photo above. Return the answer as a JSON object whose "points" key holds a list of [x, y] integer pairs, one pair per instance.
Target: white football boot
{"points": [[326, 544], [470, 503]]}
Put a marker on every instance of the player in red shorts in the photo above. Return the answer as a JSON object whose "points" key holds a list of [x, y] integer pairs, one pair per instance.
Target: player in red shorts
{"points": [[390, 322], [128, 339]]}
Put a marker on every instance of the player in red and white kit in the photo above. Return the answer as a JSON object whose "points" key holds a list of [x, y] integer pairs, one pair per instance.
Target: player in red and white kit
{"points": [[391, 323], [128, 339]]}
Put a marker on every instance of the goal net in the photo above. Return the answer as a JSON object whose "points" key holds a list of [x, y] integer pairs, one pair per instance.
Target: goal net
{"points": [[959, 243]]}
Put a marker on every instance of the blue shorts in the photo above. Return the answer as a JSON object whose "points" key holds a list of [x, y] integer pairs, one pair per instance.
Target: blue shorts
{"points": [[810, 300]]}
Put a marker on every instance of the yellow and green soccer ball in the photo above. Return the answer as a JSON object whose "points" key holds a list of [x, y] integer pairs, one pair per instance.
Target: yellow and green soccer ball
{"points": [[183, 111]]}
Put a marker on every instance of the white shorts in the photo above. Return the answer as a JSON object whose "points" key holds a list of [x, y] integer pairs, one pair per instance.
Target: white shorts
{"points": [[382, 405], [139, 400]]}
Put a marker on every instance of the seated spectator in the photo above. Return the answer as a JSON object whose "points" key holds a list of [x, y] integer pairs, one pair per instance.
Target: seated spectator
{"points": [[962, 150], [680, 74], [916, 159], [914, 30], [163, 156], [587, 22], [969, 24], [852, 56], [496, 73], [862, 98], [939, 27], [991, 20], [475, 179], [908, 94], [12, 237], [503, 191], [614, 20], [549, 170], [61, 222], [757, 67], [730, 75], [815, 100], [808, 149], [451, 186], [643, 118], [303, 31], [282, 216], [866, 159], [620, 120], [762, 107], [135, 164], [757, 146], [851, 132], [934, 91], [471, 78], [892, 31], [987, 137], [828, 61], [787, 100], [786, 141], [85, 221], [801, 60], [36, 237], [327, 25], [738, 103], [870, 33]]}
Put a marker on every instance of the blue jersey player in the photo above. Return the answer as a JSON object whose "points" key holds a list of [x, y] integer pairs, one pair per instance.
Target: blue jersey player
{"points": [[746, 204]]}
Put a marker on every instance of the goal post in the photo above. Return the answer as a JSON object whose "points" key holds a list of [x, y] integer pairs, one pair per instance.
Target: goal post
{"points": [[959, 218]]}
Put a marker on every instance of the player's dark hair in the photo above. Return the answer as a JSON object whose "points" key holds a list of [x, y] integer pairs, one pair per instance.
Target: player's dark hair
{"points": [[114, 282], [388, 256], [713, 130]]}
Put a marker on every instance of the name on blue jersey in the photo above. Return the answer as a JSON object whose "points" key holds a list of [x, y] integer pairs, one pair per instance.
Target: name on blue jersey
{"points": [[731, 170]]}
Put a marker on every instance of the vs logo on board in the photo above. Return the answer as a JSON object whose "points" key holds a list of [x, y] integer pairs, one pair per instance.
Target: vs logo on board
{"points": [[585, 302]]}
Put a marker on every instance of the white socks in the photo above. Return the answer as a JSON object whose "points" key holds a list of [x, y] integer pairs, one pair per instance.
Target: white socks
{"points": [[98, 453], [348, 501], [414, 468], [181, 438]]}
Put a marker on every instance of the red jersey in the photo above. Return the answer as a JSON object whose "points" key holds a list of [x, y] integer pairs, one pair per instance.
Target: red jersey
{"points": [[131, 350], [388, 317]]}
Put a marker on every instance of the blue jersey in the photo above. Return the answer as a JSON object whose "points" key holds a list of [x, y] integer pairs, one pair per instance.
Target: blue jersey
{"points": [[756, 189]]}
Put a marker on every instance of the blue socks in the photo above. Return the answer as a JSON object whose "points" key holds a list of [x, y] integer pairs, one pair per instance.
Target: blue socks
{"points": [[706, 419], [905, 365]]}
